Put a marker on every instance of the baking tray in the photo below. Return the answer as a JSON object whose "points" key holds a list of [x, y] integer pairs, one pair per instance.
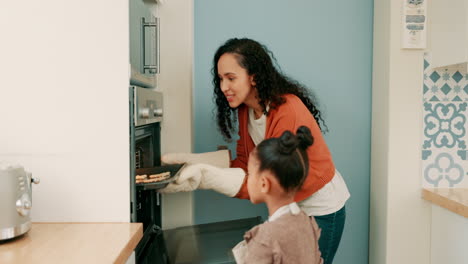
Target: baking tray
{"points": [[174, 169]]}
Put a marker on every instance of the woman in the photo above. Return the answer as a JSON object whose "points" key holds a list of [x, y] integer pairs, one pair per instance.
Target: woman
{"points": [[247, 86]]}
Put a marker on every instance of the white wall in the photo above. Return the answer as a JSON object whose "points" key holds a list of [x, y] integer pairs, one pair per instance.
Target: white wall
{"points": [[64, 105], [176, 82], [400, 219]]}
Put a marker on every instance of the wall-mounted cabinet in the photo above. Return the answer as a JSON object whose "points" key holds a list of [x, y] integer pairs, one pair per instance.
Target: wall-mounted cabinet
{"points": [[448, 32], [144, 44], [449, 237]]}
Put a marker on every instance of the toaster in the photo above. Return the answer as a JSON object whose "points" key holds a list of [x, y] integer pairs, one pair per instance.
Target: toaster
{"points": [[15, 201]]}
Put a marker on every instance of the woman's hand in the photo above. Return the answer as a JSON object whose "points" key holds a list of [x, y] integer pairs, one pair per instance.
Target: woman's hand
{"points": [[227, 181], [220, 158]]}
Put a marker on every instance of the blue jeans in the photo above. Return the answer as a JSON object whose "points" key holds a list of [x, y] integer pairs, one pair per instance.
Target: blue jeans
{"points": [[332, 228]]}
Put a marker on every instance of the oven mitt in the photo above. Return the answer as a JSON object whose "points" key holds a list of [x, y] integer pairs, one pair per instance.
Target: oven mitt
{"points": [[220, 158], [227, 181]]}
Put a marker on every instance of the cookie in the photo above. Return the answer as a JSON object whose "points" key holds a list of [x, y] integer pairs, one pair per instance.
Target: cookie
{"points": [[140, 177], [164, 175], [152, 178]]}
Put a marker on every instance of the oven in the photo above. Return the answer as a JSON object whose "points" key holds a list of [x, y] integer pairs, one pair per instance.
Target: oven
{"points": [[145, 159], [190, 244]]}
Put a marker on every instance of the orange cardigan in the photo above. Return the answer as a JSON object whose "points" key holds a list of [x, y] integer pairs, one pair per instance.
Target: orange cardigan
{"points": [[289, 116]]}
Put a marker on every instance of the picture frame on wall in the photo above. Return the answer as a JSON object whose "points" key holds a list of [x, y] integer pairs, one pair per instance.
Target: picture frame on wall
{"points": [[414, 24]]}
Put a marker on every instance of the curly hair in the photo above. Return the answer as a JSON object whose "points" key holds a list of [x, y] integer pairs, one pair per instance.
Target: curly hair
{"points": [[271, 84]]}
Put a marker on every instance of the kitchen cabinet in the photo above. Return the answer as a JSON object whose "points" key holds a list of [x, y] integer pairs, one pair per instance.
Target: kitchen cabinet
{"points": [[448, 32], [73, 243], [67, 121], [144, 44], [449, 237], [449, 224]]}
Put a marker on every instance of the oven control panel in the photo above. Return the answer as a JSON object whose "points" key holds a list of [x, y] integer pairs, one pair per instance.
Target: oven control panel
{"points": [[147, 106]]}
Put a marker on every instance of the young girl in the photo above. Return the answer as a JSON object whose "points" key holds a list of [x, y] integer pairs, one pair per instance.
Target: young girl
{"points": [[277, 169]]}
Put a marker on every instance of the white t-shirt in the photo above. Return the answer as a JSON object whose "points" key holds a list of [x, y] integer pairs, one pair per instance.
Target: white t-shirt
{"points": [[331, 198]]}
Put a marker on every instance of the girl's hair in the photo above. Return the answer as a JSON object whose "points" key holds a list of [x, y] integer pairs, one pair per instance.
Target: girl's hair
{"points": [[286, 157], [271, 84]]}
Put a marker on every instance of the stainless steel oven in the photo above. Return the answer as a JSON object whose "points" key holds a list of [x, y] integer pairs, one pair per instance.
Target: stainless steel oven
{"points": [[145, 159]]}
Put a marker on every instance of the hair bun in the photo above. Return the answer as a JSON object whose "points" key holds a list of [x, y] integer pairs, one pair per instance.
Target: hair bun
{"points": [[304, 137], [287, 143]]}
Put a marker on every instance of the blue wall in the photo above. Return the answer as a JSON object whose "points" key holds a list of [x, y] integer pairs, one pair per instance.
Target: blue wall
{"points": [[327, 47]]}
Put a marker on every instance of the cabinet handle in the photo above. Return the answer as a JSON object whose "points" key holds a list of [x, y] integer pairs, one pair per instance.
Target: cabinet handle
{"points": [[152, 68]]}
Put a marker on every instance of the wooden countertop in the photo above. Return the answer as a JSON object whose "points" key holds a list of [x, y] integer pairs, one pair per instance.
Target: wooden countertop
{"points": [[73, 243], [453, 199]]}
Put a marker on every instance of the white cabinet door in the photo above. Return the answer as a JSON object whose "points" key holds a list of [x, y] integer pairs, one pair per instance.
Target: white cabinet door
{"points": [[449, 237], [448, 29]]}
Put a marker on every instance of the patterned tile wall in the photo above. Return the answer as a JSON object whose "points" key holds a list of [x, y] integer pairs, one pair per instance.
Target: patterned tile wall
{"points": [[445, 125]]}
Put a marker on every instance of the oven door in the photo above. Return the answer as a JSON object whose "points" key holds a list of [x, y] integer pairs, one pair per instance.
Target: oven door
{"points": [[207, 243], [151, 248]]}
